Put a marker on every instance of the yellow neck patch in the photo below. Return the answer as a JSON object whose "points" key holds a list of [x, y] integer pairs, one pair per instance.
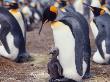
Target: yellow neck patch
{"points": [[13, 11], [56, 24], [53, 9]]}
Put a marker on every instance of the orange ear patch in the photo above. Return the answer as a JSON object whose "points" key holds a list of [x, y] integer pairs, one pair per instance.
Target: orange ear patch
{"points": [[53, 9], [102, 12]]}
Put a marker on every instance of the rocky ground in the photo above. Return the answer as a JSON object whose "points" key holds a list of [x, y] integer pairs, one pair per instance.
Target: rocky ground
{"points": [[36, 70]]}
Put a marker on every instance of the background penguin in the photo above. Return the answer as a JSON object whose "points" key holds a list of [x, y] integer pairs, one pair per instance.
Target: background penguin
{"points": [[54, 67], [14, 10], [102, 39], [85, 11], [36, 15], [28, 14], [11, 37], [68, 30]]}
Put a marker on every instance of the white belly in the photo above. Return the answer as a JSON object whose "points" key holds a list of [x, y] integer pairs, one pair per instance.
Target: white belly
{"points": [[13, 50], [65, 42]]}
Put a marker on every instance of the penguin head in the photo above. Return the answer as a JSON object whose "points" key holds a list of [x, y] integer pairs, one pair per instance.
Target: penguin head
{"points": [[50, 14], [14, 5], [54, 52], [96, 11]]}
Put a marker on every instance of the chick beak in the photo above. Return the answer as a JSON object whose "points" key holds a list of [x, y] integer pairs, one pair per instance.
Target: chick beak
{"points": [[42, 26]]}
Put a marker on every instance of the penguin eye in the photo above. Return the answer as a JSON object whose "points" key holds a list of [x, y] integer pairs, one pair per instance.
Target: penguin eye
{"points": [[102, 12]]}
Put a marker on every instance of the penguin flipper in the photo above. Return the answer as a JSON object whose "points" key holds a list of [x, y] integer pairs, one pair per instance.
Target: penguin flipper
{"points": [[5, 44], [79, 51], [100, 37], [98, 41], [3, 33]]}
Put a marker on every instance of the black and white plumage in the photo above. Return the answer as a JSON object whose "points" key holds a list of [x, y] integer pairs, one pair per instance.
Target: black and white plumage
{"points": [[101, 21], [85, 28], [12, 39], [68, 33], [102, 39]]}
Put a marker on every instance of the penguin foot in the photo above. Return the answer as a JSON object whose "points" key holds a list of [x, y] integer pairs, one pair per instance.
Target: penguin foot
{"points": [[23, 58], [87, 76]]}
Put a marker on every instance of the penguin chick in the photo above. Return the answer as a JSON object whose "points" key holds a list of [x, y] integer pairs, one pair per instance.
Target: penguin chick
{"points": [[54, 67]]}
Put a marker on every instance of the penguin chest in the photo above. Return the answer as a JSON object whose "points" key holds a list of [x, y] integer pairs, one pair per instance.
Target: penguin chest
{"points": [[94, 29], [65, 42], [20, 21]]}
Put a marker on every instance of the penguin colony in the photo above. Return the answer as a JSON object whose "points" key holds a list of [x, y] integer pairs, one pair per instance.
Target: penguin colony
{"points": [[70, 24]]}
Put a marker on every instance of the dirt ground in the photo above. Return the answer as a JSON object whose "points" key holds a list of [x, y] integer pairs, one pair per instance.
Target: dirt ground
{"points": [[36, 70]]}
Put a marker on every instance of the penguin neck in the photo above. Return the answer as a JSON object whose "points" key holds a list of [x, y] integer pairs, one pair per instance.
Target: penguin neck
{"points": [[13, 11], [55, 24]]}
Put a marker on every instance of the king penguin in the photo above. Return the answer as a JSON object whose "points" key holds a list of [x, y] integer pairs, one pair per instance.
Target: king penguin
{"points": [[14, 10], [69, 9], [68, 37], [102, 39], [11, 37]]}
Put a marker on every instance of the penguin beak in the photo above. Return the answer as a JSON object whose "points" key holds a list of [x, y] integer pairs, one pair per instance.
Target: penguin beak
{"points": [[42, 26]]}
